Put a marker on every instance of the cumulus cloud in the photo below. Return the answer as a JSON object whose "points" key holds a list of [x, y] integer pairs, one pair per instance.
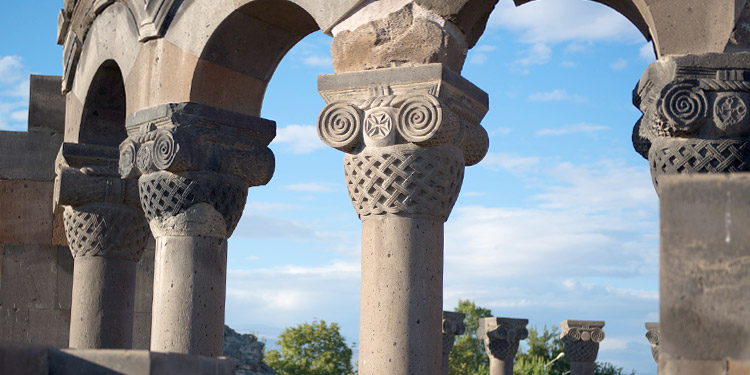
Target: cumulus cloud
{"points": [[537, 54], [620, 64], [317, 61], [509, 162], [298, 139], [556, 95], [14, 93], [573, 129], [555, 21]]}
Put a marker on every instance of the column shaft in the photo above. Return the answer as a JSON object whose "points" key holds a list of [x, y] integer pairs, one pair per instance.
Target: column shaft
{"points": [[401, 300], [581, 368], [189, 293], [501, 367], [101, 314]]}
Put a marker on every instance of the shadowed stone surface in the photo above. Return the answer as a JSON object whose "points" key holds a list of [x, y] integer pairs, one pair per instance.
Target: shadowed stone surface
{"points": [[581, 340], [453, 325], [704, 282], [501, 337], [247, 352]]}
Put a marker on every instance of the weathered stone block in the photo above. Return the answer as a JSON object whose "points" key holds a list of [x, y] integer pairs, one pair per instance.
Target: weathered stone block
{"points": [[705, 267], [46, 104], [142, 330], [29, 277], [29, 156], [64, 278], [144, 288], [23, 360], [27, 212], [14, 324], [49, 327]]}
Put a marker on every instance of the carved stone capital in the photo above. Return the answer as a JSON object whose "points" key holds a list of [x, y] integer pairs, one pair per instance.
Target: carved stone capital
{"points": [[453, 325], [652, 335], [695, 114], [425, 106], [106, 230], [192, 203], [404, 179], [581, 339], [502, 335], [187, 137]]}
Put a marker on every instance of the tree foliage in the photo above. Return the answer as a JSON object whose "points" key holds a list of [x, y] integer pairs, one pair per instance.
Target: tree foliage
{"points": [[468, 356], [311, 349]]}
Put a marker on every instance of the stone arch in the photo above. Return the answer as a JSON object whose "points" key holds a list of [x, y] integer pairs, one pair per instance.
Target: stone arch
{"points": [[104, 111], [111, 44]]}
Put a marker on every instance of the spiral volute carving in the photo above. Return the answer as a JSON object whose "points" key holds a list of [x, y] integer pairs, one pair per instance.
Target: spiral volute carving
{"points": [[684, 106], [164, 150], [128, 151], [420, 118], [340, 126]]}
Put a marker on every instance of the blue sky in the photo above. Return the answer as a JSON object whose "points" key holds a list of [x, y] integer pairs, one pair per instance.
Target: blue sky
{"points": [[560, 221]]}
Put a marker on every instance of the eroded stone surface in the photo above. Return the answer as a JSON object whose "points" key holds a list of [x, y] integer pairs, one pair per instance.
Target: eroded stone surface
{"points": [[453, 325], [501, 337], [581, 340]]}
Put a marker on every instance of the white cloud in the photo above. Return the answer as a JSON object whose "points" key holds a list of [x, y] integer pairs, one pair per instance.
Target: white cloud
{"points": [[568, 64], [311, 187], [509, 162], [573, 129], [554, 21], [647, 52], [10, 69], [14, 94], [317, 61], [299, 139], [620, 64], [537, 54], [477, 58], [557, 95]]}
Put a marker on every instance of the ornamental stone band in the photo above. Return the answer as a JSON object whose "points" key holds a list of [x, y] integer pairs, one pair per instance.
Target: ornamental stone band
{"points": [[652, 335], [407, 133], [453, 325], [194, 164], [581, 340], [501, 337], [107, 233]]}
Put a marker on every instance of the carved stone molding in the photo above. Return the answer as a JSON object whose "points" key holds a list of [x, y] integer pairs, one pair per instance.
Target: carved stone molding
{"points": [[581, 339], [404, 179], [501, 336], [186, 137], [653, 338], [695, 114], [426, 106], [453, 325], [102, 215]]}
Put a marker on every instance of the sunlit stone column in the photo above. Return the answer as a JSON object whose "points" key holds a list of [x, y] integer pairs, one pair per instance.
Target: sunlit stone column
{"points": [[501, 337], [581, 340], [453, 325], [107, 233], [194, 164], [407, 133], [652, 335]]}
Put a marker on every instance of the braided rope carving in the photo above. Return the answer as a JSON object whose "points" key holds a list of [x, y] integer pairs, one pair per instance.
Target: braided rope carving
{"points": [[581, 351], [404, 179], [167, 194], [690, 155], [104, 229]]}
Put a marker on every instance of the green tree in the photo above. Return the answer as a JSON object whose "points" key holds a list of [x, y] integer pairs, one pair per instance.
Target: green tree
{"points": [[311, 349], [468, 356]]}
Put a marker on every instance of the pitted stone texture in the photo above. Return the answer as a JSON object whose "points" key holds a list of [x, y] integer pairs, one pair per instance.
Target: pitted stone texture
{"points": [[403, 38], [189, 295], [501, 337], [703, 278], [247, 351], [581, 340], [165, 195], [652, 335], [105, 230], [406, 180]]}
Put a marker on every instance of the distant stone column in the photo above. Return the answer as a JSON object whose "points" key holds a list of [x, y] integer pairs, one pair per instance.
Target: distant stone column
{"points": [[581, 340], [453, 325], [194, 165], [107, 234], [407, 133], [652, 335], [501, 337]]}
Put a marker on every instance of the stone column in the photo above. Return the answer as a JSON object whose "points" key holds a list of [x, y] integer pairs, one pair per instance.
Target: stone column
{"points": [[652, 335], [453, 325], [407, 133], [107, 233], [581, 340], [501, 337], [194, 165]]}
